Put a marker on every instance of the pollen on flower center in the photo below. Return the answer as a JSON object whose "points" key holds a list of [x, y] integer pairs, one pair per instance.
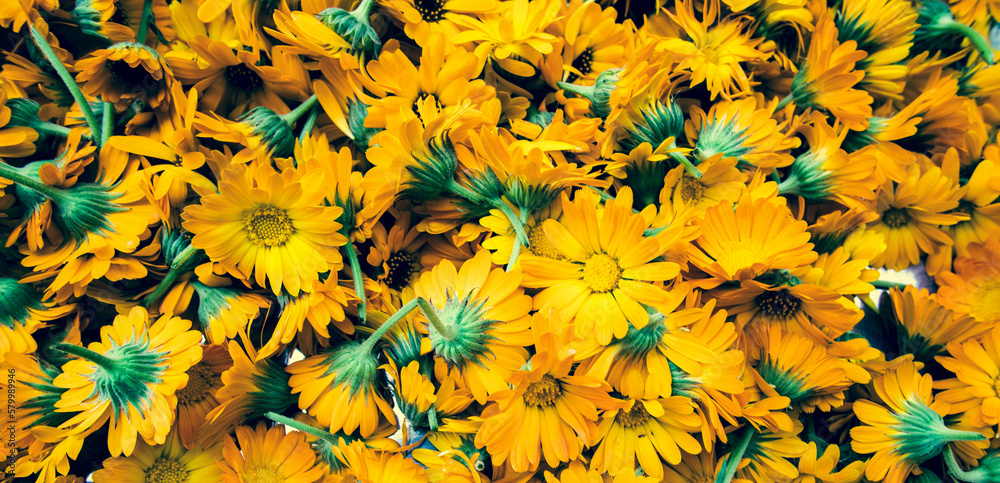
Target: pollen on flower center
{"points": [[267, 225], [242, 77], [199, 381], [895, 217], [401, 267], [262, 474], [602, 273], [633, 417], [543, 393], [540, 245], [691, 190], [430, 10], [165, 470], [778, 303]]}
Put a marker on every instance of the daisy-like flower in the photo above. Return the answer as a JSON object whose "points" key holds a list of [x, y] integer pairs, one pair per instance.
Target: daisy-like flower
{"points": [[321, 303], [22, 312], [978, 201], [126, 71], [514, 38], [884, 30], [594, 43], [684, 194], [549, 414], [396, 251], [131, 374], [911, 214], [268, 456], [18, 140], [974, 392], [739, 242], [422, 19], [767, 454], [646, 430], [827, 78], [742, 130], [367, 464], [905, 428], [197, 398], [481, 322], [974, 286], [224, 312], [609, 269], [928, 326], [268, 225], [170, 462], [714, 53], [816, 466], [504, 237]]}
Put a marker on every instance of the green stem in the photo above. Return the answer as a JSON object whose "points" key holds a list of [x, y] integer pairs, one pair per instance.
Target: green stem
{"points": [[51, 128], [431, 313], [516, 250], [790, 185], [74, 90], [957, 435], [15, 175], [359, 283], [162, 287], [975, 38], [954, 469], [309, 125], [459, 190], [87, 354], [300, 426], [147, 13], [691, 168], [732, 460], [296, 113], [182, 258], [363, 11], [370, 342], [109, 119], [886, 285], [784, 102], [514, 221], [582, 91]]}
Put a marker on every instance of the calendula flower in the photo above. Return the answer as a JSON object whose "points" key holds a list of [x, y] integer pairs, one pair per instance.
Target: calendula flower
{"points": [[609, 268], [224, 312], [742, 130], [643, 431], [268, 455], [482, 322], [269, 225], [18, 138], [905, 428], [743, 240], [545, 400], [127, 71], [22, 312], [884, 30], [973, 287], [514, 38], [929, 326], [714, 53], [594, 43], [816, 466], [768, 453], [169, 462], [197, 398], [134, 371], [423, 19], [911, 214], [973, 391], [321, 303], [978, 201], [367, 464]]}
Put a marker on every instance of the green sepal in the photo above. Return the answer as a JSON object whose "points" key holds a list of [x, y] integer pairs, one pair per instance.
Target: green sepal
{"points": [[274, 132], [599, 94], [355, 28], [659, 122], [463, 335]]}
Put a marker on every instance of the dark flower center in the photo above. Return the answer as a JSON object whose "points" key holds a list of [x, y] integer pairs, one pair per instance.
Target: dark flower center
{"points": [[895, 217], [583, 63], [779, 304], [401, 267], [430, 10], [543, 393], [243, 78], [133, 77]]}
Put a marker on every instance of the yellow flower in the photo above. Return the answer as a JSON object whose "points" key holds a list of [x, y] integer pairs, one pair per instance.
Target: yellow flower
{"points": [[22, 312], [884, 30], [197, 398], [131, 377], [974, 287], [905, 428], [269, 225], [975, 390], [928, 324], [646, 430], [127, 71], [742, 130], [170, 462], [514, 38], [609, 269], [268, 456], [367, 464]]}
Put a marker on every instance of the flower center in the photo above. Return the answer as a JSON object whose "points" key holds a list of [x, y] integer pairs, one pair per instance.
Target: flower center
{"points": [[633, 417], [602, 273], [779, 304], [119, 16], [691, 190], [986, 305], [430, 10], [540, 245], [543, 393], [262, 474], [895, 217], [165, 470], [583, 63], [199, 382], [267, 225], [242, 77], [401, 267]]}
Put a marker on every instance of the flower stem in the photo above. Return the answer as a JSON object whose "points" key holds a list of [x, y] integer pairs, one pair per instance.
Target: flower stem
{"points": [[886, 285], [74, 89], [431, 313], [308, 126], [514, 221], [108, 121], [15, 175], [147, 13], [86, 354], [516, 250], [359, 283], [363, 10], [974, 37], [369, 343], [300, 426], [162, 287], [51, 128], [732, 461], [954, 469], [296, 113], [691, 168], [784, 102], [790, 185], [459, 190]]}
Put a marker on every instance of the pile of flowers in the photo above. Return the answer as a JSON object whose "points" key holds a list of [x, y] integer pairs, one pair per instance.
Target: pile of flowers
{"points": [[479, 241]]}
